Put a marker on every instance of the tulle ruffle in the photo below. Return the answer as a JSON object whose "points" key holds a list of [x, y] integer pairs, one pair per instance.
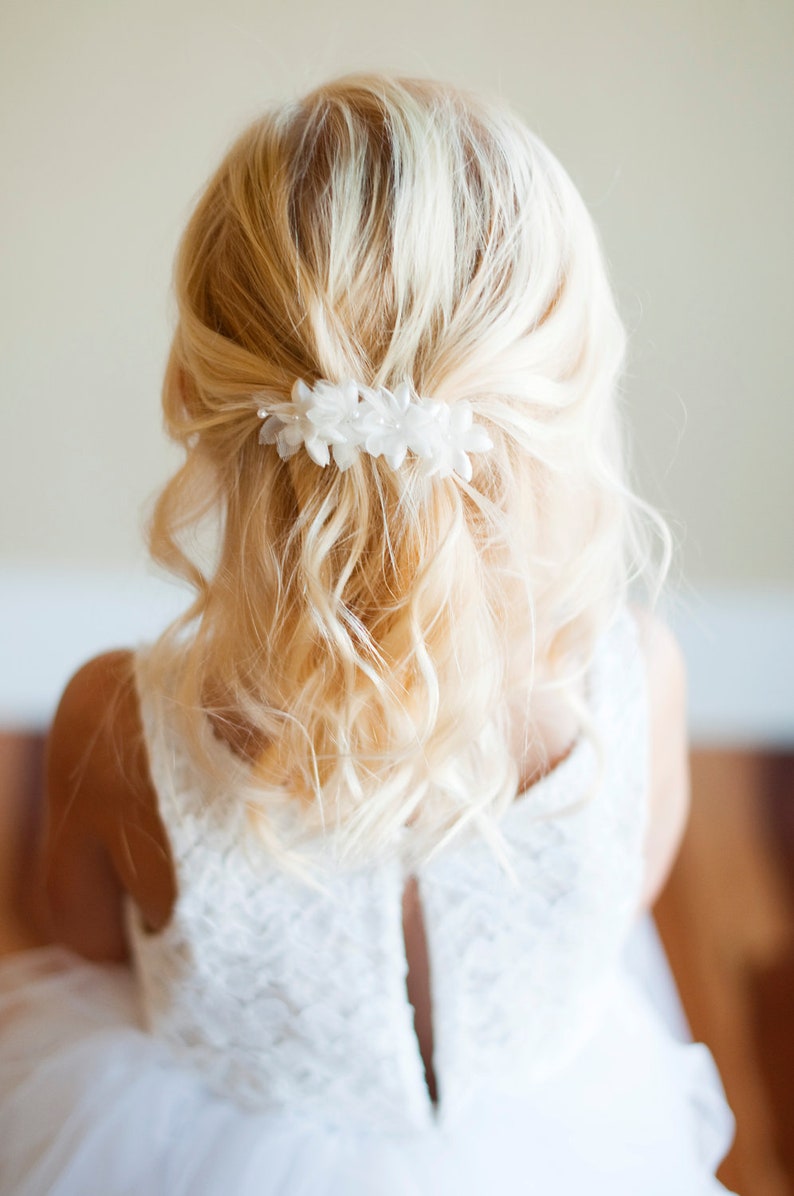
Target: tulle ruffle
{"points": [[92, 1105]]}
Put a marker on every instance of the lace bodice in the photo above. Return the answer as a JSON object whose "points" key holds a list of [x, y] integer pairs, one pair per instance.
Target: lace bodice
{"points": [[287, 998]]}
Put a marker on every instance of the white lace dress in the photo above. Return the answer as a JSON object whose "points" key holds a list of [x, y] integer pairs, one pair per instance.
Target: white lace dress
{"points": [[264, 1044]]}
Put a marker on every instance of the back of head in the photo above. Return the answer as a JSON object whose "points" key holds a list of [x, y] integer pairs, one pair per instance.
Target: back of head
{"points": [[370, 633]]}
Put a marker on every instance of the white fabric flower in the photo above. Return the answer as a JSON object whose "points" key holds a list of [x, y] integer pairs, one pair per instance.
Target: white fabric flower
{"points": [[454, 436], [334, 415], [345, 419], [394, 423], [319, 418]]}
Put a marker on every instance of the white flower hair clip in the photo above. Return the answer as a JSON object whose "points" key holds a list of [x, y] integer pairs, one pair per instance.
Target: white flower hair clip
{"points": [[344, 419]]}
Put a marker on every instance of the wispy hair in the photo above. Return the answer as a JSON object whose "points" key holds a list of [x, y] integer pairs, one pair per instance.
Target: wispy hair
{"points": [[366, 639]]}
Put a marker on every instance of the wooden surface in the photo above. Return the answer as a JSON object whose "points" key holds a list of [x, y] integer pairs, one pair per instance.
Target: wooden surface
{"points": [[726, 919], [21, 779]]}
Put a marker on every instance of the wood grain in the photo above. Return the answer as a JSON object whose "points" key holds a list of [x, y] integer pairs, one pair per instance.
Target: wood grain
{"points": [[727, 923]]}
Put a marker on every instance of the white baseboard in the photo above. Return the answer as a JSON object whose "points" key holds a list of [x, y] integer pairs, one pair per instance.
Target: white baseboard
{"points": [[739, 646], [52, 620]]}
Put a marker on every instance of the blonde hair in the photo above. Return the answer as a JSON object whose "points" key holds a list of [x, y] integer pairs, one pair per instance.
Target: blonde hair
{"points": [[366, 635]]}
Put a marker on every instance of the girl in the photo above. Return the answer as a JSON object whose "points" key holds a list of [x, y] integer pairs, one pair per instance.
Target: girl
{"points": [[372, 822]]}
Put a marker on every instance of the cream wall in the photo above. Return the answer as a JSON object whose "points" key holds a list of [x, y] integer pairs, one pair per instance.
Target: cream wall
{"points": [[675, 121]]}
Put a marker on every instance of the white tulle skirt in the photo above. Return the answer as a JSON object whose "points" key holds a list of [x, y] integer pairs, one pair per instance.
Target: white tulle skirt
{"points": [[92, 1105]]}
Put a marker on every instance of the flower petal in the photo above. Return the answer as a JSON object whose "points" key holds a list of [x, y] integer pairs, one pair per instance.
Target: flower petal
{"points": [[350, 392], [462, 466], [317, 450], [477, 440], [460, 417], [396, 455], [401, 397], [285, 449], [270, 430], [344, 455]]}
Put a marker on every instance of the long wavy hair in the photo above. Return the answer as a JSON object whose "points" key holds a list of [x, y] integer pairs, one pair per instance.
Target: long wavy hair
{"points": [[365, 640]]}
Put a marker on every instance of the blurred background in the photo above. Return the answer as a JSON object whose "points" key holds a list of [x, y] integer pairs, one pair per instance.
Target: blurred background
{"points": [[675, 121]]}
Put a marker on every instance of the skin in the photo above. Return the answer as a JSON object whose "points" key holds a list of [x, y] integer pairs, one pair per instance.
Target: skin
{"points": [[670, 796], [104, 836]]}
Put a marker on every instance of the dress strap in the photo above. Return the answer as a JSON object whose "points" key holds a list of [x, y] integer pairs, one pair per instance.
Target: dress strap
{"points": [[194, 808], [620, 700]]}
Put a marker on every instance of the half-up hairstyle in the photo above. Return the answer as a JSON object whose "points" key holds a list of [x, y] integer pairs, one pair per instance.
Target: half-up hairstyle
{"points": [[364, 638]]}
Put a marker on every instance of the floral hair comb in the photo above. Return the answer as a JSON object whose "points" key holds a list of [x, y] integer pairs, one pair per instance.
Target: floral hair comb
{"points": [[344, 419]]}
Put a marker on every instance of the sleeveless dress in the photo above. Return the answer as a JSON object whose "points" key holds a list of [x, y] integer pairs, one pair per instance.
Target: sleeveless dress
{"points": [[263, 1043]]}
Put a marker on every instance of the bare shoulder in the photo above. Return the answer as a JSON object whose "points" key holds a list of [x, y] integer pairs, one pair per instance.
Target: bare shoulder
{"points": [[95, 725], [663, 655], [668, 781], [104, 679], [104, 836]]}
